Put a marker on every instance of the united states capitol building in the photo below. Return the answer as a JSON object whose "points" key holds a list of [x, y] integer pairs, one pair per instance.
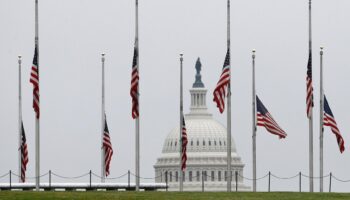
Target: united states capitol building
{"points": [[206, 149]]}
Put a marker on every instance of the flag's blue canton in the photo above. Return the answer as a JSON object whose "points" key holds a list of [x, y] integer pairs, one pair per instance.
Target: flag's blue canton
{"points": [[227, 59], [309, 66], [260, 106], [326, 107]]}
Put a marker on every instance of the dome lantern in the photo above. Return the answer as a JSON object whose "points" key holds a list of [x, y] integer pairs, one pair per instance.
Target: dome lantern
{"points": [[198, 95]]}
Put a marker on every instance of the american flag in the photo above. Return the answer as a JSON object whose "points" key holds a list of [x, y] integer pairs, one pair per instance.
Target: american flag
{"points": [[184, 142], [309, 88], [135, 85], [107, 146], [264, 118], [34, 79], [221, 87], [329, 120], [24, 154]]}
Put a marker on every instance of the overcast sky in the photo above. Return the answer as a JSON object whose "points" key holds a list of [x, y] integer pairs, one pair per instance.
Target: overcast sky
{"points": [[73, 33]]}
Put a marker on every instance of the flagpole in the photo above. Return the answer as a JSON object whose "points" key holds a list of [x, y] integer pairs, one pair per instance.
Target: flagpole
{"points": [[37, 120], [103, 164], [321, 118], [181, 125], [137, 121], [19, 118], [254, 124], [229, 178], [311, 157]]}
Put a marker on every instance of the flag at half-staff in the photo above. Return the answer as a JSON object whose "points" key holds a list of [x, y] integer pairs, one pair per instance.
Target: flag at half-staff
{"points": [[134, 93], [184, 142], [135, 85], [34, 79], [220, 91], [309, 88], [24, 154], [107, 147], [310, 105], [264, 118], [329, 120]]}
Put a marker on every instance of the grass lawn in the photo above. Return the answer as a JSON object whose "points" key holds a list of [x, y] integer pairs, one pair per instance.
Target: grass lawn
{"points": [[6, 195]]}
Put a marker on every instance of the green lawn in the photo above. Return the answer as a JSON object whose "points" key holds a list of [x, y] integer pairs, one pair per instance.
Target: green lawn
{"points": [[5, 195]]}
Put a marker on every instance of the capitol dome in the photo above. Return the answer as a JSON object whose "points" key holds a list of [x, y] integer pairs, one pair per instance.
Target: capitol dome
{"points": [[204, 135], [206, 149]]}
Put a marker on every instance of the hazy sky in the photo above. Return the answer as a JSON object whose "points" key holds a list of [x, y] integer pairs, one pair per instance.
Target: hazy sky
{"points": [[73, 33]]}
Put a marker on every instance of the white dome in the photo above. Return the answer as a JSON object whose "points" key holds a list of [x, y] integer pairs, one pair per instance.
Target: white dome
{"points": [[204, 135]]}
